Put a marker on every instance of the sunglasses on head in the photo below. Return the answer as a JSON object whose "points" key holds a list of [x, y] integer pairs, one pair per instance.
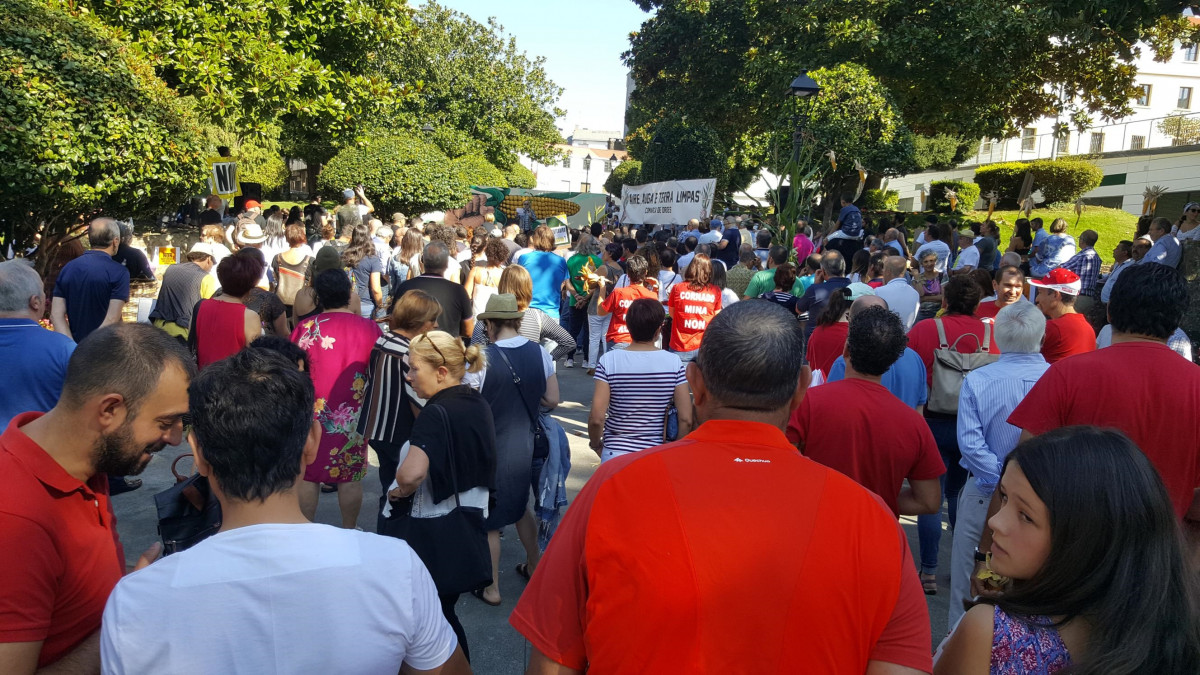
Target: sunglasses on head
{"points": [[435, 348]]}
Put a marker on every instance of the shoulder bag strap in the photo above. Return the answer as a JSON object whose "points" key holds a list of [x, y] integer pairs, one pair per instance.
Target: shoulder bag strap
{"points": [[987, 337], [517, 382], [941, 329], [449, 451]]}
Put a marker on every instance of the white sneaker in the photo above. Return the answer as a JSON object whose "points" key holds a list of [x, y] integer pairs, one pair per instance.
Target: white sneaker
{"points": [[569, 363]]}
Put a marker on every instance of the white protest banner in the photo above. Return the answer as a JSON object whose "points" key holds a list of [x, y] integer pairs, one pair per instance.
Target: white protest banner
{"points": [[672, 202]]}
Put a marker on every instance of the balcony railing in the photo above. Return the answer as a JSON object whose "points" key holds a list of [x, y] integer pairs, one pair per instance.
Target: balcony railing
{"points": [[1116, 137]]}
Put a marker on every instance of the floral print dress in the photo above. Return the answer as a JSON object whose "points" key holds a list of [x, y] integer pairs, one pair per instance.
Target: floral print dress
{"points": [[339, 346]]}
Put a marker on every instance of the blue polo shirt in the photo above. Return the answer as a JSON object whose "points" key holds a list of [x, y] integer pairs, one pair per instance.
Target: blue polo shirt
{"points": [[35, 359], [905, 379], [88, 283]]}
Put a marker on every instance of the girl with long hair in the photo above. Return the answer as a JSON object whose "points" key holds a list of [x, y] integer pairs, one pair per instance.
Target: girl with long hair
{"points": [[1100, 576], [366, 269], [692, 305], [826, 343]]}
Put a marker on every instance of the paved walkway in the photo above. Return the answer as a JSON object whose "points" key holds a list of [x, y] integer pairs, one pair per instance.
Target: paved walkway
{"points": [[496, 649]]}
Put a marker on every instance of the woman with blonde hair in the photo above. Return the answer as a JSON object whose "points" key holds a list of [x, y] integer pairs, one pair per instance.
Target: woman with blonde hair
{"points": [[446, 466], [392, 405], [405, 262], [1055, 250], [547, 271], [536, 326]]}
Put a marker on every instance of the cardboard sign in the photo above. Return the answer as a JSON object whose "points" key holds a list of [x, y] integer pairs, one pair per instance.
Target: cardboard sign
{"points": [[166, 256], [561, 238], [671, 202], [222, 177]]}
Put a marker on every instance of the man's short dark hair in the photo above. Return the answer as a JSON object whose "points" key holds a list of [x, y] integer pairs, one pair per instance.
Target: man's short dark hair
{"points": [[613, 250], [1148, 299], [436, 257], [1126, 246], [281, 345], [251, 414], [962, 295], [210, 217], [778, 255], [752, 355], [643, 317], [639, 235], [875, 341], [847, 197], [691, 243], [931, 219], [763, 239], [127, 359]]}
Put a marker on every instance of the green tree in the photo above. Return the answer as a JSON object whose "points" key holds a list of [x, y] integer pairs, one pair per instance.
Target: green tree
{"points": [[479, 172], [398, 173], [477, 89], [682, 149], [518, 176], [628, 172], [86, 126], [942, 151], [310, 66], [979, 69]]}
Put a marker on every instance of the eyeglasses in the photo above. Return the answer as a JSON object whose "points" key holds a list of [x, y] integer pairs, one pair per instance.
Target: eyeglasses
{"points": [[435, 348]]}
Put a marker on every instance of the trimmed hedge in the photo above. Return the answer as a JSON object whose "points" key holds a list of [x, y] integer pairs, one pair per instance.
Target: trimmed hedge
{"points": [[628, 172], [398, 173], [479, 172], [968, 194], [880, 200], [519, 176], [1059, 180]]}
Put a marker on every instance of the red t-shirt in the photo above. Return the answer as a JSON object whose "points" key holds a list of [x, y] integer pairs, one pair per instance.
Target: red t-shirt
{"points": [[726, 552], [860, 429], [987, 311], [923, 338], [617, 303], [826, 344], [1141, 388], [691, 310], [220, 330], [1068, 335], [61, 555]]}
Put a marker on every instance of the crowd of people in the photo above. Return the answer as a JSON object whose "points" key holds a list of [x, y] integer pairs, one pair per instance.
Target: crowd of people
{"points": [[765, 411]]}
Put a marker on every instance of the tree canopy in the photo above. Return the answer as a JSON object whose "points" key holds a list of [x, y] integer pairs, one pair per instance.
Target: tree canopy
{"points": [[400, 173], [87, 125]]}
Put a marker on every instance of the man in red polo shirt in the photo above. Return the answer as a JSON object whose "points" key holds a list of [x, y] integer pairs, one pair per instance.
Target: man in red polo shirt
{"points": [[1067, 332], [857, 427], [123, 399], [1009, 284], [728, 551]]}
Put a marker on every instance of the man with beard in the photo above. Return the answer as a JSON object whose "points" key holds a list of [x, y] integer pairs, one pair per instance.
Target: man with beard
{"points": [[123, 399]]}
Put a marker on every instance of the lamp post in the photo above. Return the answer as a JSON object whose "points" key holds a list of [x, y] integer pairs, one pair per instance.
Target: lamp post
{"points": [[802, 87], [427, 129], [587, 175]]}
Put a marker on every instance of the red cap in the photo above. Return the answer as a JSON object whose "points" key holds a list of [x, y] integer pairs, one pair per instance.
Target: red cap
{"points": [[253, 204], [1061, 280]]}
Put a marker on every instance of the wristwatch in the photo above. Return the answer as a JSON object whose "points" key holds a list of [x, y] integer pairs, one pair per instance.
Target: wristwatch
{"points": [[980, 556]]}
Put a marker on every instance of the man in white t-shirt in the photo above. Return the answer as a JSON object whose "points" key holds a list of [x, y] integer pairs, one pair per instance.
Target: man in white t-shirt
{"points": [[716, 230], [968, 255], [272, 592]]}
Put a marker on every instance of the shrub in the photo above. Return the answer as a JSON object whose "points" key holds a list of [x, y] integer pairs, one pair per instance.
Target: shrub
{"points": [[1004, 179], [628, 172], [880, 200], [398, 174], [519, 176], [479, 172], [968, 194], [1059, 180], [1065, 180]]}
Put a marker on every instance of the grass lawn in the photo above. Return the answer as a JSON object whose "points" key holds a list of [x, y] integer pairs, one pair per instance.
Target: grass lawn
{"points": [[1112, 225]]}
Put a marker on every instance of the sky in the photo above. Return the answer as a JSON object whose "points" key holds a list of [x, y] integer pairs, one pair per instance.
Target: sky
{"points": [[582, 43]]}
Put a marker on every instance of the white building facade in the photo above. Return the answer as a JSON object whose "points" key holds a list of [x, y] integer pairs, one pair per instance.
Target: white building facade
{"points": [[581, 169]]}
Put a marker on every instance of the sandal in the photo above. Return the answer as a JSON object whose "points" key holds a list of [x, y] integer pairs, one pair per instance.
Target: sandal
{"points": [[478, 592], [523, 571], [929, 584]]}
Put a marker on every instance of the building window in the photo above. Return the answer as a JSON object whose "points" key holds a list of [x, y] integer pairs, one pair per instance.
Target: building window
{"points": [[1064, 144], [1143, 99], [567, 162], [1028, 139], [985, 147], [906, 204], [1097, 143], [1185, 98], [608, 166], [1189, 52], [1137, 143]]}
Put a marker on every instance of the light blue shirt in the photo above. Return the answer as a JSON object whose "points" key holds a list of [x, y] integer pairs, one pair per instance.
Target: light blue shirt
{"points": [[1165, 251], [905, 379], [1111, 279], [1038, 237], [988, 396]]}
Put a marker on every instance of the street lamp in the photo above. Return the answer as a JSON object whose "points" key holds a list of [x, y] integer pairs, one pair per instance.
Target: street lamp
{"points": [[587, 175], [428, 128], [802, 87]]}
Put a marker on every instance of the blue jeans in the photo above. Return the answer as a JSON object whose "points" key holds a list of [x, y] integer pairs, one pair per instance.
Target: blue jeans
{"points": [[687, 356], [929, 527]]}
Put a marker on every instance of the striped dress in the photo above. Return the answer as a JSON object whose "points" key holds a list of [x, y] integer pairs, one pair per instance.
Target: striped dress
{"points": [[641, 386]]}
